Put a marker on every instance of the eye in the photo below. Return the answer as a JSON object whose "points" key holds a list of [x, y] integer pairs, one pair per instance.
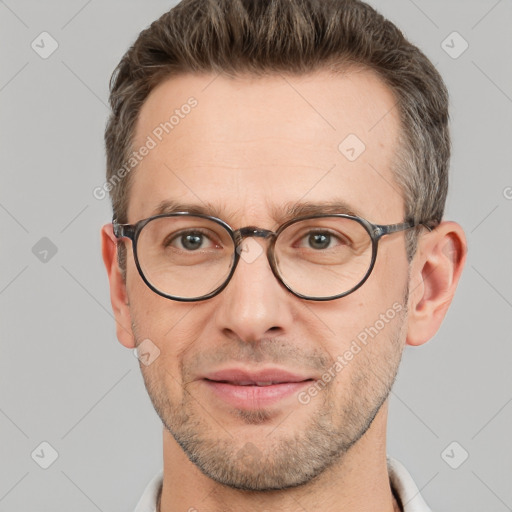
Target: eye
{"points": [[190, 241], [319, 240]]}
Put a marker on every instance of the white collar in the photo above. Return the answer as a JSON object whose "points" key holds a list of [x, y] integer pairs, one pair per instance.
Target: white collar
{"points": [[405, 488]]}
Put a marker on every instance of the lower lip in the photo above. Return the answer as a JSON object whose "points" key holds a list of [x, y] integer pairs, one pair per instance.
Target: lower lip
{"points": [[254, 397]]}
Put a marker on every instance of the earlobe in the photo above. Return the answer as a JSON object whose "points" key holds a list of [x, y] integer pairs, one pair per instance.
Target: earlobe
{"points": [[436, 270], [118, 294]]}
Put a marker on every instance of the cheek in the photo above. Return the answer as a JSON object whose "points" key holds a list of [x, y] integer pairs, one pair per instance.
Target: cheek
{"points": [[365, 362], [165, 329], [364, 327], [170, 325]]}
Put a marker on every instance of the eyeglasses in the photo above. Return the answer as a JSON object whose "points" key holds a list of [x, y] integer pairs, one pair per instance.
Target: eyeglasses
{"points": [[192, 257]]}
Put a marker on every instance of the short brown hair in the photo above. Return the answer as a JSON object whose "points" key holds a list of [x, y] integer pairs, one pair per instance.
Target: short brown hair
{"points": [[296, 37]]}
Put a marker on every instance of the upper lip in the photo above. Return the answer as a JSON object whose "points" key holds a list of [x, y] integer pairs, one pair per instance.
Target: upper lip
{"points": [[239, 375]]}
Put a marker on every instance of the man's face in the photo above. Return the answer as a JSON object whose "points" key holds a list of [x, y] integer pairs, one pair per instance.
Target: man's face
{"points": [[250, 147]]}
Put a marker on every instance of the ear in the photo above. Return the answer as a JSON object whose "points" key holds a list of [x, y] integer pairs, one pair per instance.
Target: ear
{"points": [[118, 295], [435, 273]]}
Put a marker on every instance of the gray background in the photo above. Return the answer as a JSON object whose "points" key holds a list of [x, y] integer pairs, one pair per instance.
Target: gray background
{"points": [[65, 379]]}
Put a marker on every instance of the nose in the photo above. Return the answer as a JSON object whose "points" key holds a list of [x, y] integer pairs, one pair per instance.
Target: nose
{"points": [[254, 305]]}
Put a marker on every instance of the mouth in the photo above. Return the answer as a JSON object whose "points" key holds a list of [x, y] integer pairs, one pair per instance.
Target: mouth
{"points": [[249, 383], [255, 389]]}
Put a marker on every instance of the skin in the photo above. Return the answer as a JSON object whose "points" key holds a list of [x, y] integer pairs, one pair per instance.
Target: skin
{"points": [[251, 145]]}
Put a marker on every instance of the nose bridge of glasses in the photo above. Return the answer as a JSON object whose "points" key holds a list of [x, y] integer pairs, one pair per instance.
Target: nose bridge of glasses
{"points": [[252, 231]]}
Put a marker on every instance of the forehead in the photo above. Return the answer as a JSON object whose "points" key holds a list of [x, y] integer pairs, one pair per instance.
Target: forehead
{"points": [[247, 145]]}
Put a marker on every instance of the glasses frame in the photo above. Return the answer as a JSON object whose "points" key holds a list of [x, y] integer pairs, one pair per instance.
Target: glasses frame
{"points": [[376, 232]]}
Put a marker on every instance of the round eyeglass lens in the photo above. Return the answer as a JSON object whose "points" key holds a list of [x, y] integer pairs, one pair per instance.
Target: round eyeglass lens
{"points": [[185, 256], [323, 257]]}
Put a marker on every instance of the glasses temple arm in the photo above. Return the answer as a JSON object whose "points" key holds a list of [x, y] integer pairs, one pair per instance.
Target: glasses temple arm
{"points": [[381, 230], [123, 230]]}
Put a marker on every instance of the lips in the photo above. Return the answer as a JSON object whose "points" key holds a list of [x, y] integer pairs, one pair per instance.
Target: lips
{"points": [[255, 389], [262, 377], [251, 383]]}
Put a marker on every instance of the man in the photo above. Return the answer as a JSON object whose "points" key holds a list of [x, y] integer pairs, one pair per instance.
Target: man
{"points": [[278, 171]]}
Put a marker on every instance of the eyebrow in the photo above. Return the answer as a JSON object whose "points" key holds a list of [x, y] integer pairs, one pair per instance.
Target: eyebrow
{"points": [[279, 213]]}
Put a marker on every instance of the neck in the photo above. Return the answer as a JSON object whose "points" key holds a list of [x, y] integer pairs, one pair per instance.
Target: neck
{"points": [[359, 483]]}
